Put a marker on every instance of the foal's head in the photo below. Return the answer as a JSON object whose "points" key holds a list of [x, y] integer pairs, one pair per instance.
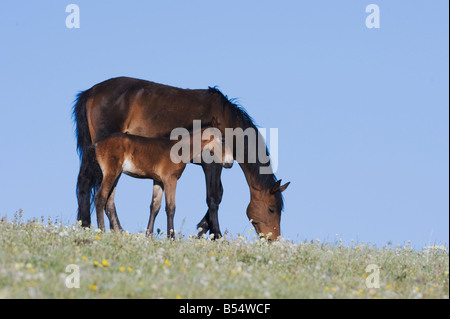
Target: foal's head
{"points": [[214, 147]]}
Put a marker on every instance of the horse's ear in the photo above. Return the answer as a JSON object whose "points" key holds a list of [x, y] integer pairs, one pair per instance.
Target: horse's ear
{"points": [[276, 187], [283, 188]]}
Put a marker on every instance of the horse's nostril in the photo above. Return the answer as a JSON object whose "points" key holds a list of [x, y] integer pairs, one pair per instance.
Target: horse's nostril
{"points": [[227, 165]]}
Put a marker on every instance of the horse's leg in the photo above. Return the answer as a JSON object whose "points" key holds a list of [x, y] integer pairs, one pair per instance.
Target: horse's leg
{"points": [[158, 189], [111, 212], [102, 197], [84, 186], [100, 202], [170, 188], [214, 192]]}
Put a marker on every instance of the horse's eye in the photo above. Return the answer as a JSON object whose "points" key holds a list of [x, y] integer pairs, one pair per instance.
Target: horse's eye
{"points": [[271, 210]]}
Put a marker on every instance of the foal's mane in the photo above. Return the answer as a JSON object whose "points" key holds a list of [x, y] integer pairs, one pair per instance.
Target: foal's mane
{"points": [[240, 118]]}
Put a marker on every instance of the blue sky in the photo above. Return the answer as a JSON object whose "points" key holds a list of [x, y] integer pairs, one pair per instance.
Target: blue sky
{"points": [[362, 114]]}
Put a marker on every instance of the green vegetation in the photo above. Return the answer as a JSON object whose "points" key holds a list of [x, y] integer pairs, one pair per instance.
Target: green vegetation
{"points": [[34, 256]]}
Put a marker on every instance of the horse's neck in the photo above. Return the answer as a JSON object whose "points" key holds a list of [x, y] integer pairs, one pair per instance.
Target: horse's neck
{"points": [[254, 183], [251, 181]]}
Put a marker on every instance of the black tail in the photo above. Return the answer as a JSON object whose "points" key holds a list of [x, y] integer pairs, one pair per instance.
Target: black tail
{"points": [[80, 117], [90, 176]]}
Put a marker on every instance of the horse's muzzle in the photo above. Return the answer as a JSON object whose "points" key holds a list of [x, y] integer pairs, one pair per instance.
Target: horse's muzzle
{"points": [[227, 164]]}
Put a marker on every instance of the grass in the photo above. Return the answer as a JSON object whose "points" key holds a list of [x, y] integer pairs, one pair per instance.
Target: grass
{"points": [[34, 256]]}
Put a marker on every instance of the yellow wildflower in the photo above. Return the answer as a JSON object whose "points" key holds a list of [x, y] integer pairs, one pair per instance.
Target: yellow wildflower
{"points": [[326, 288], [105, 263], [122, 269], [167, 262]]}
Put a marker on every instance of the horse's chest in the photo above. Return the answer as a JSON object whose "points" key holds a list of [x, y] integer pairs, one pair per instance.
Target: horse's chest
{"points": [[132, 168], [129, 167]]}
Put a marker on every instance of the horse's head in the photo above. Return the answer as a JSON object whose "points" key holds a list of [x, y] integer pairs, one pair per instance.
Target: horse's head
{"points": [[264, 210], [219, 151]]}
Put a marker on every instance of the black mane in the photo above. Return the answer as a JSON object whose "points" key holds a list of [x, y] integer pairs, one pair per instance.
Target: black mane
{"points": [[240, 118]]}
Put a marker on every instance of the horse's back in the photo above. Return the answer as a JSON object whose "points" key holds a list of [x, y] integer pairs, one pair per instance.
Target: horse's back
{"points": [[145, 108]]}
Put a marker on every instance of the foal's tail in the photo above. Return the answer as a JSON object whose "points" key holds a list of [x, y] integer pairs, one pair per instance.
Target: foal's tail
{"points": [[90, 176]]}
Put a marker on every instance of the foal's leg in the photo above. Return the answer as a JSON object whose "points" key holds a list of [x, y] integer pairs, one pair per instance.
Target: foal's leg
{"points": [[114, 223], [158, 189], [101, 198], [170, 188], [100, 203], [214, 192]]}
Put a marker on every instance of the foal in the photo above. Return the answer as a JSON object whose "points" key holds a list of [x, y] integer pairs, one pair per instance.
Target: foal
{"points": [[143, 157]]}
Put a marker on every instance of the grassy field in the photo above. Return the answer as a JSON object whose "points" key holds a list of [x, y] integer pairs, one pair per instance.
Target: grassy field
{"points": [[34, 256]]}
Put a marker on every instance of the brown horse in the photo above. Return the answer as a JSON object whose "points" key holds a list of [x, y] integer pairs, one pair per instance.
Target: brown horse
{"points": [[150, 109], [154, 158]]}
